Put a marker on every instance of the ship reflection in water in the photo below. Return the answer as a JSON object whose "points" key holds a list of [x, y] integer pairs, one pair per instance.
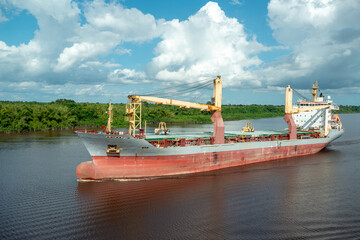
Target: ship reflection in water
{"points": [[310, 197], [157, 209]]}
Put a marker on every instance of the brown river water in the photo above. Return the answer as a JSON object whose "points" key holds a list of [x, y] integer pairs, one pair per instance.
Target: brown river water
{"points": [[310, 197]]}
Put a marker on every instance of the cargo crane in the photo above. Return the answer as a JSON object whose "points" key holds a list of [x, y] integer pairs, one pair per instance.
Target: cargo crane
{"points": [[289, 110], [133, 110]]}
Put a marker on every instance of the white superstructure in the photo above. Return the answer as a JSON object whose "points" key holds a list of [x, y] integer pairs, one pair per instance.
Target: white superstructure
{"points": [[315, 119]]}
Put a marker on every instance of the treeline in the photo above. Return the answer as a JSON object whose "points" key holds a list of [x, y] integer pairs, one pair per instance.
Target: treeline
{"points": [[63, 113], [348, 109]]}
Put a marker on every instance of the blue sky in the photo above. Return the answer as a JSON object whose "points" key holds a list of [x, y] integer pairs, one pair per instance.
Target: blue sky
{"points": [[91, 51]]}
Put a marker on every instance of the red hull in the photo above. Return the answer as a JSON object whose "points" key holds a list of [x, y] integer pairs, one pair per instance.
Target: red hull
{"points": [[104, 167]]}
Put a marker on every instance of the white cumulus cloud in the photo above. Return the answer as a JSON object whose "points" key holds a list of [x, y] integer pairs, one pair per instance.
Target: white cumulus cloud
{"points": [[207, 44], [82, 45], [324, 38], [78, 52], [68, 49], [128, 24], [126, 76]]}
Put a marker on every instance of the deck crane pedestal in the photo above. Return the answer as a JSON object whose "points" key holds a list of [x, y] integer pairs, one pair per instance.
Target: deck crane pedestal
{"points": [[133, 110]]}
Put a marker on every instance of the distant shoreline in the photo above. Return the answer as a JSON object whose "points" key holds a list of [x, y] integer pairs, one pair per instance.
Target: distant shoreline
{"points": [[153, 124], [67, 114]]}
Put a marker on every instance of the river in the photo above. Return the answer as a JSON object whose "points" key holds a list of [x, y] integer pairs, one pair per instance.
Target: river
{"points": [[310, 197]]}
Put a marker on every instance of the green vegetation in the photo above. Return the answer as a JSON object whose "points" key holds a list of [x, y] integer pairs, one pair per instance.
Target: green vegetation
{"points": [[63, 113], [348, 109]]}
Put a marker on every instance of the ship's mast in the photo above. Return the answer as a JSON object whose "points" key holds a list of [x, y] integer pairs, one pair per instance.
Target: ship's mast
{"points": [[314, 88], [110, 118]]}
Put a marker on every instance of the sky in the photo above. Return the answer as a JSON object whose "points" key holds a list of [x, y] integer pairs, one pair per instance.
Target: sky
{"points": [[96, 50]]}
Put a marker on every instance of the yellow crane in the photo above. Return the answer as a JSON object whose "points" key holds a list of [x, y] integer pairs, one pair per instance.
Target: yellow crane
{"points": [[289, 110], [133, 110]]}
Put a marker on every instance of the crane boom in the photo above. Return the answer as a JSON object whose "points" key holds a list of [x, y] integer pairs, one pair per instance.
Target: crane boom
{"points": [[181, 104]]}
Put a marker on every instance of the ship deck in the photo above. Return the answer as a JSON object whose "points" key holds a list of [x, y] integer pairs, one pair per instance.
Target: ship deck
{"points": [[229, 134]]}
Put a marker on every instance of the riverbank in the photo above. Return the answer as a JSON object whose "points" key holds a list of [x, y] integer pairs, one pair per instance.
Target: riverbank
{"points": [[67, 114]]}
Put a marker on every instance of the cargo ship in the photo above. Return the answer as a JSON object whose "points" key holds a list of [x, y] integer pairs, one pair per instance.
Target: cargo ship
{"points": [[137, 155]]}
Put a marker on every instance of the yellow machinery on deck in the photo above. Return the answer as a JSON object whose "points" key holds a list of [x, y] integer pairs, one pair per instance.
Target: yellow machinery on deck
{"points": [[248, 128], [161, 130]]}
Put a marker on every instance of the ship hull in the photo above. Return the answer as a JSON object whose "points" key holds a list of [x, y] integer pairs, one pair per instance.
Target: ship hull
{"points": [[139, 160]]}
